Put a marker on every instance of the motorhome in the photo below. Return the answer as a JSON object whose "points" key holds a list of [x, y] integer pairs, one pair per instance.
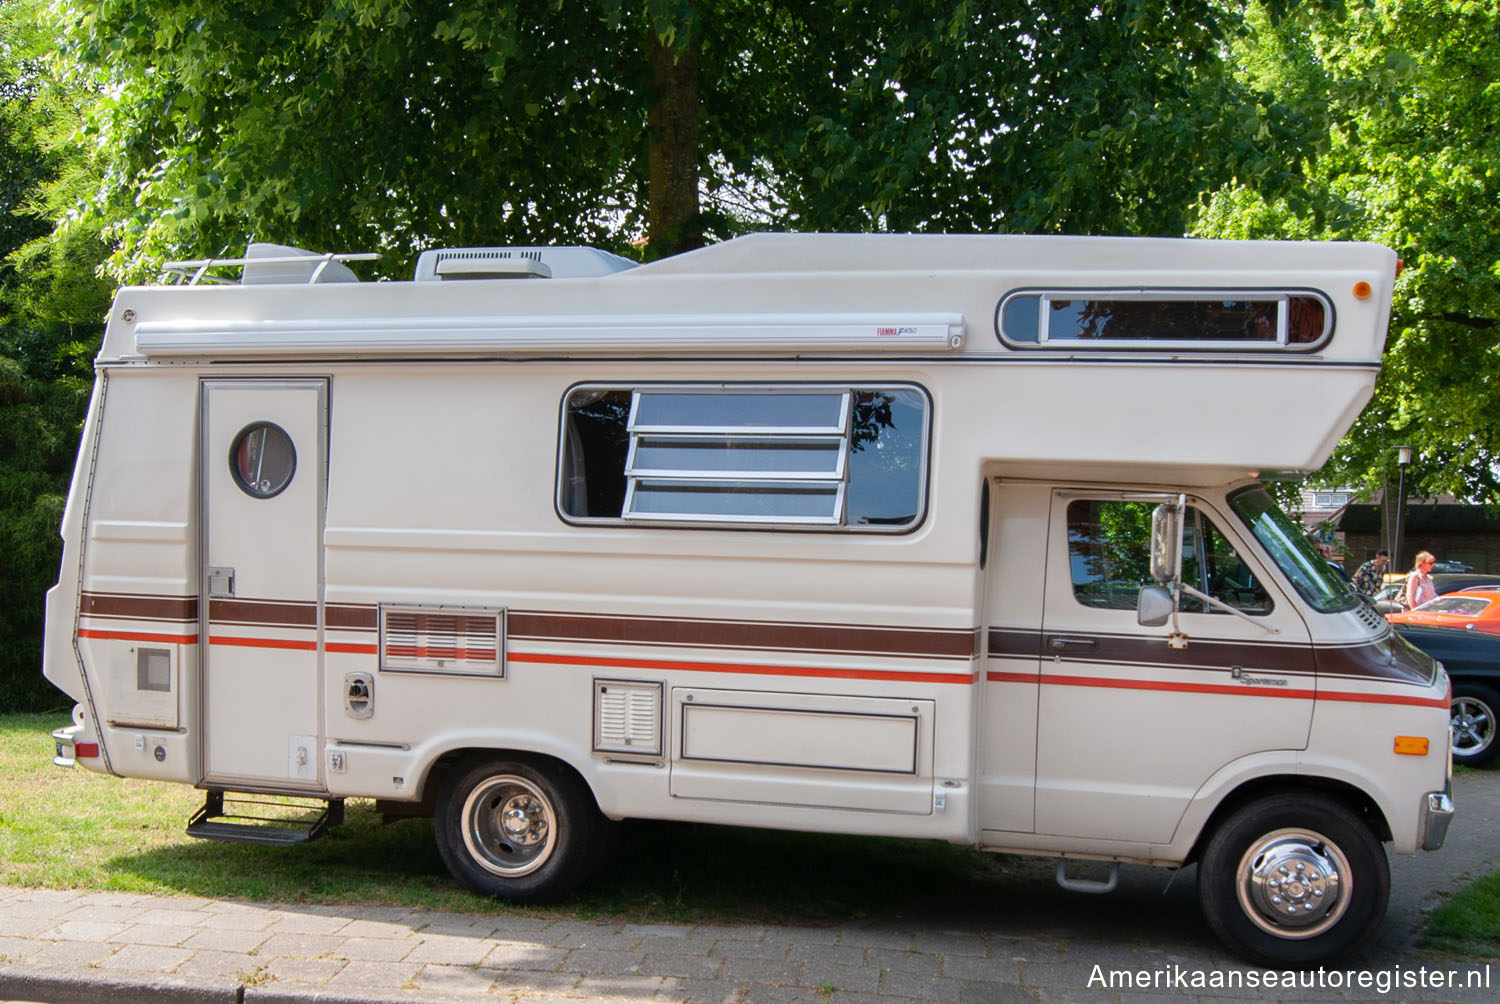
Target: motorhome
{"points": [[956, 537]]}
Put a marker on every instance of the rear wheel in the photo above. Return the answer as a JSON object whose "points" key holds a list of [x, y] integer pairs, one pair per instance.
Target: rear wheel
{"points": [[517, 830], [1472, 714], [1294, 880]]}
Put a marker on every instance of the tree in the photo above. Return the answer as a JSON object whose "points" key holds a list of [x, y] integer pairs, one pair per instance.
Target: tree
{"points": [[50, 309], [1407, 91], [396, 125]]}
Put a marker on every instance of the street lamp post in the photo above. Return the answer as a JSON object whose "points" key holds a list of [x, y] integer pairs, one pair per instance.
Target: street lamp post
{"points": [[1403, 461]]}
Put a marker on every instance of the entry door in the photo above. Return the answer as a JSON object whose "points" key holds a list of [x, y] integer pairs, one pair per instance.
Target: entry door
{"points": [[263, 469], [1129, 727]]}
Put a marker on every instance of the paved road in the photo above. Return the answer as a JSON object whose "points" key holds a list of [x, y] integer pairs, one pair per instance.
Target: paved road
{"points": [[1037, 945]]}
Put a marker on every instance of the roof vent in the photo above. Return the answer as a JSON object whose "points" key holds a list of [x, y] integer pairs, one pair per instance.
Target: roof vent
{"points": [[518, 263]]}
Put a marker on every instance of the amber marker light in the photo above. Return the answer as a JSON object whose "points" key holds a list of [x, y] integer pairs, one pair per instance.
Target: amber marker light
{"points": [[1362, 290], [1411, 745]]}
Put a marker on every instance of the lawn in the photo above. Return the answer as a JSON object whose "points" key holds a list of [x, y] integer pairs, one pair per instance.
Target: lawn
{"points": [[74, 829]]}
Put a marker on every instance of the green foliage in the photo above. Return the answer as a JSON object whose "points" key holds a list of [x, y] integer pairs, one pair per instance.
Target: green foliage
{"points": [[51, 303], [1407, 91], [395, 125]]}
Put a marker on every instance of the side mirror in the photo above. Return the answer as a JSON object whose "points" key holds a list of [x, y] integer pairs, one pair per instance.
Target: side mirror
{"points": [[1166, 538], [1154, 606]]}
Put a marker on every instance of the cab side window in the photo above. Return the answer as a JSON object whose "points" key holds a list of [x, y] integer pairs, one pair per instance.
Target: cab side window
{"points": [[1109, 557]]}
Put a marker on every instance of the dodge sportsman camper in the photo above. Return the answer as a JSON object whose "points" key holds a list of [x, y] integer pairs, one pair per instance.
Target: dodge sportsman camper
{"points": [[957, 537]]}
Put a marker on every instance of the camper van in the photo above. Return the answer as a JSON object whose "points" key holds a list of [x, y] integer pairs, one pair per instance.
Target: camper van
{"points": [[955, 537]]}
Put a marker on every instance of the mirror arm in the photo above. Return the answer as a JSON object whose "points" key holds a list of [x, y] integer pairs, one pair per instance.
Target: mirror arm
{"points": [[1221, 605]]}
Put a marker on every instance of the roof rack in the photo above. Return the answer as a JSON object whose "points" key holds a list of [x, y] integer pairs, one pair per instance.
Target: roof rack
{"points": [[195, 271]]}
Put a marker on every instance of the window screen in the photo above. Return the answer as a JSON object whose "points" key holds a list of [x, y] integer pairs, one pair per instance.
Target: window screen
{"points": [[814, 456]]}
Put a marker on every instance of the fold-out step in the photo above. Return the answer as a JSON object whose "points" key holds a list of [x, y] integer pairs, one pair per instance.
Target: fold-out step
{"points": [[262, 819]]}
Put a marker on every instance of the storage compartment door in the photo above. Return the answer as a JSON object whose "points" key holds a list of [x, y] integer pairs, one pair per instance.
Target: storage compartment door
{"points": [[823, 751]]}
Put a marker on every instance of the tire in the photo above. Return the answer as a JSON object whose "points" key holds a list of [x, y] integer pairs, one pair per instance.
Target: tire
{"points": [[517, 830], [1335, 903], [1476, 731]]}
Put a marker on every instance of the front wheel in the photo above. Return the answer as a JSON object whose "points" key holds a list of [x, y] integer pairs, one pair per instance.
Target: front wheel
{"points": [[1472, 714], [1293, 880], [517, 830]]}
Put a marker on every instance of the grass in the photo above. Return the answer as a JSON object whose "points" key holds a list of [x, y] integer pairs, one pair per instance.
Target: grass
{"points": [[1469, 922], [75, 829]]}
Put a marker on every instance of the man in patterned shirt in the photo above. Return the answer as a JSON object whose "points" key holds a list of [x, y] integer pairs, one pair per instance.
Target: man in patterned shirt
{"points": [[1368, 579]]}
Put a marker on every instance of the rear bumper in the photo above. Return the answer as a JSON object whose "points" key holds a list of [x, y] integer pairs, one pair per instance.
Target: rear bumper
{"points": [[67, 751]]}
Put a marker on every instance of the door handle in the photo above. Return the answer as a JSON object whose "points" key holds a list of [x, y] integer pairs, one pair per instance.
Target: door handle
{"points": [[1058, 642], [220, 581]]}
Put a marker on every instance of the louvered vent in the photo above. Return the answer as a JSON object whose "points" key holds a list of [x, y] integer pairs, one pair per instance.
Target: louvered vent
{"points": [[1370, 616], [418, 639], [627, 717]]}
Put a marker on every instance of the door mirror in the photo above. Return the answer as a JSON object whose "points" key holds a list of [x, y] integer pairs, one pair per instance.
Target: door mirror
{"points": [[1154, 606], [1166, 540]]}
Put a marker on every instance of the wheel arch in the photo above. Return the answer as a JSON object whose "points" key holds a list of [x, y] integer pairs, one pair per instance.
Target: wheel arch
{"points": [[460, 757], [1352, 797]]}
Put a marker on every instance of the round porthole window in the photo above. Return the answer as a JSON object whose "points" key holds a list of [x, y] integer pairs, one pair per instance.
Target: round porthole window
{"points": [[262, 459]]}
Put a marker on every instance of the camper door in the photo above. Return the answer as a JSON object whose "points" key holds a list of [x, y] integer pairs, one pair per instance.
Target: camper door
{"points": [[263, 465]]}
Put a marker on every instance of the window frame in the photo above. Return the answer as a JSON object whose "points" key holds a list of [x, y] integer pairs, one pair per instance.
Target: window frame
{"points": [[1280, 294], [799, 481]]}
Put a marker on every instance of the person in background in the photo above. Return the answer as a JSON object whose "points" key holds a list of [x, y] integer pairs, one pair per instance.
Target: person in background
{"points": [[1419, 588], [1369, 576]]}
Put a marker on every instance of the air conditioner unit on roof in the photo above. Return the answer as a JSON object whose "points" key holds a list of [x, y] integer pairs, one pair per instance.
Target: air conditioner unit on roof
{"points": [[518, 263]]}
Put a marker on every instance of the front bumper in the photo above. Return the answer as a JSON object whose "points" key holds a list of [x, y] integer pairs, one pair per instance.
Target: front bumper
{"points": [[1437, 813]]}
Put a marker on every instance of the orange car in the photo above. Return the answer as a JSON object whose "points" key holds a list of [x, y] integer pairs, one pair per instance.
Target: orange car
{"points": [[1472, 609]]}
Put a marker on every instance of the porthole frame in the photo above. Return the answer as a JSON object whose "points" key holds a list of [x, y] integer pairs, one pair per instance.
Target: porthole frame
{"points": [[241, 481]]}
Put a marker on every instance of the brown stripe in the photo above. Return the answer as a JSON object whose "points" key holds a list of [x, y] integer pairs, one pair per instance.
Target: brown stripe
{"points": [[139, 606], [269, 613], [350, 616], [1388, 659], [758, 635], [1201, 653]]}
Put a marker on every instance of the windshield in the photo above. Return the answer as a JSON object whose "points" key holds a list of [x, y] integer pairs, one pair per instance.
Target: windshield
{"points": [[1309, 572]]}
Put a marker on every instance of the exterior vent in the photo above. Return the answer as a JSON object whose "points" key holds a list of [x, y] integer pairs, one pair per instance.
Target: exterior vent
{"points": [[627, 717], [518, 263], [420, 639]]}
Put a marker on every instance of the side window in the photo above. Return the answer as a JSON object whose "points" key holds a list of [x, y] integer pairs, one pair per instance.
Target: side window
{"points": [[1109, 556], [832, 457], [1150, 319]]}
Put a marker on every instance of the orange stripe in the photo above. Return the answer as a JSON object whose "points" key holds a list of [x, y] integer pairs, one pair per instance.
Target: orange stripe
{"points": [[722, 667], [1231, 691], [180, 639], [278, 643], [1182, 688], [349, 648]]}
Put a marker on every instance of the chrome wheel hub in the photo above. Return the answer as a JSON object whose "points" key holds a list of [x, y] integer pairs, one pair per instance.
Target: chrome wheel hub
{"points": [[508, 826], [1473, 726], [1294, 883]]}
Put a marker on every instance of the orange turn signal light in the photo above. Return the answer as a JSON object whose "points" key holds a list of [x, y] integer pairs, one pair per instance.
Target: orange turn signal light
{"points": [[1411, 745], [1361, 290]]}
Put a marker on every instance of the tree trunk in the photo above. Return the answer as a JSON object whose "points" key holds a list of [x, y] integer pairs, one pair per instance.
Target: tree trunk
{"points": [[672, 222]]}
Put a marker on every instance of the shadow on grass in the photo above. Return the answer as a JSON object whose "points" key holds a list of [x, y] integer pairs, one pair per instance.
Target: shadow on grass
{"points": [[658, 872]]}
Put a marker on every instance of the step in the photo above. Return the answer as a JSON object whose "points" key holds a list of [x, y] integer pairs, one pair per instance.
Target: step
{"points": [[253, 819]]}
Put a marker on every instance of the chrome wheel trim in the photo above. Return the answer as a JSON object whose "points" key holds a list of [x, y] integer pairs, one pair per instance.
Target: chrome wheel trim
{"points": [[1294, 883], [509, 826], [1473, 724]]}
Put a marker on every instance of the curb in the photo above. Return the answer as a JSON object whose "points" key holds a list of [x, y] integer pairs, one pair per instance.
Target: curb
{"points": [[68, 986], [58, 985]]}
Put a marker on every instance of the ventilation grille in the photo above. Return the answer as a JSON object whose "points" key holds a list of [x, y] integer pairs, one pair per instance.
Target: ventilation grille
{"points": [[627, 717], [1371, 616], [418, 639]]}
